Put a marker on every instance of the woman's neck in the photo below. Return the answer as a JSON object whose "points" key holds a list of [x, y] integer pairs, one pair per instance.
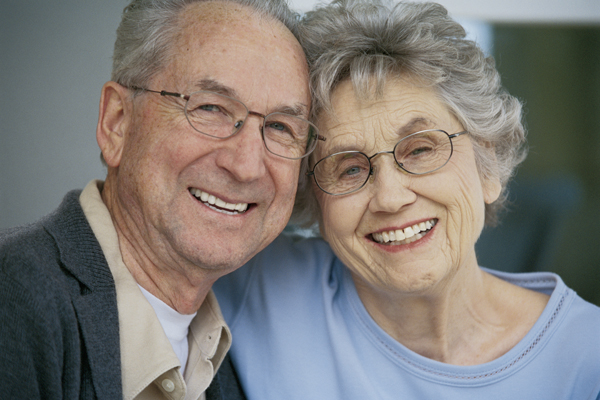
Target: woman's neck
{"points": [[470, 318]]}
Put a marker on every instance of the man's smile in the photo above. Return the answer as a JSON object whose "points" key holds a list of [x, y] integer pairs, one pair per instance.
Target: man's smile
{"points": [[217, 204]]}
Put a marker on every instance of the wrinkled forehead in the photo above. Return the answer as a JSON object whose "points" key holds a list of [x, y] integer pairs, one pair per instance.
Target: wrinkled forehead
{"points": [[223, 16], [232, 45], [374, 121], [366, 86], [221, 21]]}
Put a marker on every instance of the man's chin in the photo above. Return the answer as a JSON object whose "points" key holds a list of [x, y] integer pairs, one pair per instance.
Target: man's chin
{"points": [[221, 257]]}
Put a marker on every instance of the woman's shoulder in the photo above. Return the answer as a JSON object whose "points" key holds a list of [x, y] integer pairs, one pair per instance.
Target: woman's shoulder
{"points": [[290, 268], [566, 317], [292, 255], [311, 247]]}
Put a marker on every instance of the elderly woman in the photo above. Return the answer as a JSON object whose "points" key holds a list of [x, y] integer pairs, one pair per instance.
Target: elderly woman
{"points": [[421, 141]]}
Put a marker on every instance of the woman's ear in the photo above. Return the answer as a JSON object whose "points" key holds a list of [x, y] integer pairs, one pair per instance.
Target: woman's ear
{"points": [[491, 189], [491, 184], [113, 121]]}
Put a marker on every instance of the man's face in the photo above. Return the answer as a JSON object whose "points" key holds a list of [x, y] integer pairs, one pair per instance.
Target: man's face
{"points": [[167, 168]]}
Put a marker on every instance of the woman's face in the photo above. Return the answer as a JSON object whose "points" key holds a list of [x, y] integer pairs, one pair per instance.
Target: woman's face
{"points": [[447, 205]]}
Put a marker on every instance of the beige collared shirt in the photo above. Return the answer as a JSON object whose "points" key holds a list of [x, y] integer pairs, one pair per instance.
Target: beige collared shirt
{"points": [[150, 368]]}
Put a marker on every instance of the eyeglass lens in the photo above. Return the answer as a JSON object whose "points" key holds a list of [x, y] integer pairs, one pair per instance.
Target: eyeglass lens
{"points": [[221, 116], [418, 153]]}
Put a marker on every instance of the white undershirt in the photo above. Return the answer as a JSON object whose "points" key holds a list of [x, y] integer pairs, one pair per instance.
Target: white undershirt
{"points": [[175, 325]]}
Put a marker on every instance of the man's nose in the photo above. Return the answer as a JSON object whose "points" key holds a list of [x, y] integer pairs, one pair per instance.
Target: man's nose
{"points": [[245, 152]]}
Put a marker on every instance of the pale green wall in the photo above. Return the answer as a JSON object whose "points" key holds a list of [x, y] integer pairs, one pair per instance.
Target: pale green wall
{"points": [[556, 70]]}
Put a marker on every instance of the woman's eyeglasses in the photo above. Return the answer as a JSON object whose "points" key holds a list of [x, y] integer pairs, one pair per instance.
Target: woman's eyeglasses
{"points": [[418, 154]]}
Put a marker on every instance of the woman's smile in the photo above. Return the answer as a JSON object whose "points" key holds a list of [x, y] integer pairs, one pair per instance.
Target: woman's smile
{"points": [[407, 235]]}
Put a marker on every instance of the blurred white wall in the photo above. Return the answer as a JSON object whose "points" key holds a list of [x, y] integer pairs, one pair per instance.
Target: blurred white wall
{"points": [[55, 56], [561, 11]]}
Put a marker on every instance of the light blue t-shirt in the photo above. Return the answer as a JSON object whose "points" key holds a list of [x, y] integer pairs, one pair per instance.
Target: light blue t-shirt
{"points": [[301, 332]]}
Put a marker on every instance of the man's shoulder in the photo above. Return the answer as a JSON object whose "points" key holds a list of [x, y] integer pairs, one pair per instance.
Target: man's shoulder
{"points": [[48, 266], [34, 238], [31, 252], [27, 246], [53, 277], [34, 286]]}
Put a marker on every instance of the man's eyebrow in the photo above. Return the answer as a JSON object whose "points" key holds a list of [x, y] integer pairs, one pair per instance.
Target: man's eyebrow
{"points": [[297, 110], [214, 86]]}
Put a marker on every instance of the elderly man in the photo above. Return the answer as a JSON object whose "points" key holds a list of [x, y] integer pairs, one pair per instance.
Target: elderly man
{"points": [[201, 129]]}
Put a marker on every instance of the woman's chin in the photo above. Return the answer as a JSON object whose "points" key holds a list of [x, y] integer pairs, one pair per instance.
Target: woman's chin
{"points": [[410, 278]]}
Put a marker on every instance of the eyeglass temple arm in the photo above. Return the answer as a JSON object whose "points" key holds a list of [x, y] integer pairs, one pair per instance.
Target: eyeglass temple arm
{"points": [[162, 92], [183, 96], [457, 134]]}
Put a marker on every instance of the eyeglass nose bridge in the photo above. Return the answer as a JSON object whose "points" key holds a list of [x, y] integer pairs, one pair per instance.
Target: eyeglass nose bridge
{"points": [[240, 124], [381, 152], [393, 153]]}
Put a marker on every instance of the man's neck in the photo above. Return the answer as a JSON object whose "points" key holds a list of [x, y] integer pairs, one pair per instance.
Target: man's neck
{"points": [[177, 283]]}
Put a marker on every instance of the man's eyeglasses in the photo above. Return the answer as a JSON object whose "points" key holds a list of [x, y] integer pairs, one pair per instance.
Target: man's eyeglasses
{"points": [[418, 154], [221, 116]]}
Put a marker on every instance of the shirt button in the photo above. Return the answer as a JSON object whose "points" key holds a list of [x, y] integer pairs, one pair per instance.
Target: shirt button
{"points": [[168, 385]]}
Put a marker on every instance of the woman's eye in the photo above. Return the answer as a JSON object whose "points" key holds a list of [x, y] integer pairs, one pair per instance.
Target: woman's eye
{"points": [[420, 150], [352, 171]]}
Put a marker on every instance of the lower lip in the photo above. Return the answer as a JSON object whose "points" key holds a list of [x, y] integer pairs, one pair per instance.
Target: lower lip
{"points": [[395, 248]]}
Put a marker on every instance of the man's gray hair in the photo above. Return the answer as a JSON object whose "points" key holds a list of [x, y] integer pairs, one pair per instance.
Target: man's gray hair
{"points": [[369, 41], [149, 28]]}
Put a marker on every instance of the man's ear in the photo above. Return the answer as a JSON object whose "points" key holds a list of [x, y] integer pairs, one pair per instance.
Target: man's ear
{"points": [[113, 121]]}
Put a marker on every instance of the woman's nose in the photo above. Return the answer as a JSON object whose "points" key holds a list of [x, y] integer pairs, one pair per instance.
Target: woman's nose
{"points": [[390, 187]]}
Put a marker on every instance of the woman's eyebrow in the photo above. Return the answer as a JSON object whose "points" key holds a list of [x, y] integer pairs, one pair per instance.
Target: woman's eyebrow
{"points": [[414, 125], [341, 148]]}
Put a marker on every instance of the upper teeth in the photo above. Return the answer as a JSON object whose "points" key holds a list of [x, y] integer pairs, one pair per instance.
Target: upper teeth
{"points": [[212, 200], [402, 234]]}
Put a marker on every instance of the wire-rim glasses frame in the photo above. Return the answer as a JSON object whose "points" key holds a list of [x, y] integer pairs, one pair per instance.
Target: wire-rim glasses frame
{"points": [[357, 184], [288, 148]]}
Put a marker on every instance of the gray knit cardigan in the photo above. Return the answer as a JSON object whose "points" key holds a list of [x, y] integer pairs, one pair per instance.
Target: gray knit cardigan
{"points": [[59, 327]]}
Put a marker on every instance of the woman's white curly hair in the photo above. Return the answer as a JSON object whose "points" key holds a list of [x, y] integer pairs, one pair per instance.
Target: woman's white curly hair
{"points": [[369, 41]]}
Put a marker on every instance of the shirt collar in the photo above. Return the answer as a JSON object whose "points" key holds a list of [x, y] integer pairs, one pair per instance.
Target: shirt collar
{"points": [[146, 353]]}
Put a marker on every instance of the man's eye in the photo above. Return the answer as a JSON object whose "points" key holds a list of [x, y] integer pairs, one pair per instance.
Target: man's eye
{"points": [[280, 129], [209, 107], [277, 126]]}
